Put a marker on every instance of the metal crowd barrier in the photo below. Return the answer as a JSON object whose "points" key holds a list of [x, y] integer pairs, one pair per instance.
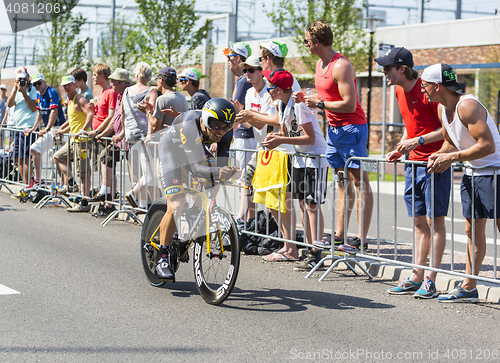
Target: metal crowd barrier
{"points": [[398, 247], [10, 173], [128, 170], [389, 249], [120, 176]]}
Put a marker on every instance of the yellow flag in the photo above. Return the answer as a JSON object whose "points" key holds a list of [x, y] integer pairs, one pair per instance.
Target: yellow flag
{"points": [[270, 179]]}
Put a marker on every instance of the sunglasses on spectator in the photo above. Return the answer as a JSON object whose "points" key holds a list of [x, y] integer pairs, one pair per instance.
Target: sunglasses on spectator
{"points": [[183, 80], [307, 42], [388, 68], [251, 70], [270, 88], [37, 83], [424, 85]]}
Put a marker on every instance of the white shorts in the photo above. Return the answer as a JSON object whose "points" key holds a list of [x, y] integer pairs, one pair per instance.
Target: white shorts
{"points": [[144, 154], [250, 144], [45, 143]]}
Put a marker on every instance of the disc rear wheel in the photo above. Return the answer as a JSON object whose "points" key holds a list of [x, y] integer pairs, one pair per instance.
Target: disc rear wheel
{"points": [[216, 272]]}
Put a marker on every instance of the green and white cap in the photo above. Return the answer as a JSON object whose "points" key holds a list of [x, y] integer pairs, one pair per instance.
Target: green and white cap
{"points": [[67, 79], [191, 73], [241, 48], [38, 77], [441, 73], [277, 48]]}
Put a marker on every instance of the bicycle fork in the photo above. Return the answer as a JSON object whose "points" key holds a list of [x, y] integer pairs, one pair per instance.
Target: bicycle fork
{"points": [[210, 209]]}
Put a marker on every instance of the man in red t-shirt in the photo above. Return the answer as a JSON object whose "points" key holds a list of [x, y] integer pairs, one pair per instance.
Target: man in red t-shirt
{"points": [[347, 136], [422, 137], [104, 109]]}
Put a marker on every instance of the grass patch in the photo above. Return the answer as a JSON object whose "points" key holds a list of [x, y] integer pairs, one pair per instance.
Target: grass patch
{"points": [[372, 176], [388, 177]]}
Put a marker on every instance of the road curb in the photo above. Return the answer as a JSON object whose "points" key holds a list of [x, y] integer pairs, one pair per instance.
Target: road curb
{"points": [[487, 291]]}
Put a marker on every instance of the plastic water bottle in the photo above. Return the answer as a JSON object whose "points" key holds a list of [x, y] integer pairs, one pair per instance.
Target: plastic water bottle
{"points": [[310, 93]]}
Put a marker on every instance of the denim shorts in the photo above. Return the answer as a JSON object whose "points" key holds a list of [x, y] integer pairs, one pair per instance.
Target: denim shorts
{"points": [[483, 196], [442, 187], [344, 142], [22, 144]]}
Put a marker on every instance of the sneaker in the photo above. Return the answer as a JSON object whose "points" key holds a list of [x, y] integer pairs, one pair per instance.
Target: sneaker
{"points": [[74, 199], [162, 269], [79, 208], [73, 188], [33, 183], [104, 211], [427, 290], [308, 263], [328, 245], [61, 189], [459, 294], [20, 195], [356, 243], [101, 198], [131, 199], [405, 287]]}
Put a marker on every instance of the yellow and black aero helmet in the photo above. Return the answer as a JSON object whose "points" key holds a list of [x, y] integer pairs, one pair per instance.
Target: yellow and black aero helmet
{"points": [[218, 114]]}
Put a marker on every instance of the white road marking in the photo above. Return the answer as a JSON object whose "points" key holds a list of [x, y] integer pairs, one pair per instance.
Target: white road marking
{"points": [[4, 290], [458, 237]]}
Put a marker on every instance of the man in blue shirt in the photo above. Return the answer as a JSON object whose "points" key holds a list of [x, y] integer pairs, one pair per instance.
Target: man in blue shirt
{"points": [[23, 99], [50, 113]]}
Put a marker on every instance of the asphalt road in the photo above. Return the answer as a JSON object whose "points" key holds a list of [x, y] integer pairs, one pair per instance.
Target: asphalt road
{"points": [[83, 297]]}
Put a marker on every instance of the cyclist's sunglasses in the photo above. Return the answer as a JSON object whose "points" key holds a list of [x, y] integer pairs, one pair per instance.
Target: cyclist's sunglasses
{"points": [[219, 125], [251, 70]]}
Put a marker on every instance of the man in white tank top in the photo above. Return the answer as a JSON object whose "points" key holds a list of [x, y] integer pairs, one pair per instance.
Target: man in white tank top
{"points": [[470, 135]]}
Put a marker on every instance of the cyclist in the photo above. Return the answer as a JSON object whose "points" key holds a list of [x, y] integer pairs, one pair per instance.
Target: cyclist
{"points": [[183, 148]]}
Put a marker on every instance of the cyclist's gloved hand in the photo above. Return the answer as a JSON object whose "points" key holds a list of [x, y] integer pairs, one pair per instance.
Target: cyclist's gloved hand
{"points": [[227, 171]]}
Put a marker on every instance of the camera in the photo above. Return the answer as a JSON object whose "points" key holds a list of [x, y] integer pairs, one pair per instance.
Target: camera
{"points": [[22, 82]]}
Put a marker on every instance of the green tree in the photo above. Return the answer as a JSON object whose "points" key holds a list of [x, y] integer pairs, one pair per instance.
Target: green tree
{"points": [[127, 39], [489, 83], [61, 50], [169, 30], [292, 17]]}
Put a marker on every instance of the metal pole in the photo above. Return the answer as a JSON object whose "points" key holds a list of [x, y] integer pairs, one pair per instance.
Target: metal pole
{"points": [[498, 108], [368, 104], [236, 20], [15, 41], [458, 14], [113, 24], [421, 11], [384, 110]]}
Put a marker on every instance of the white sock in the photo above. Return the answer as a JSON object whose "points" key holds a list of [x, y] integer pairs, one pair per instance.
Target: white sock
{"points": [[103, 190]]}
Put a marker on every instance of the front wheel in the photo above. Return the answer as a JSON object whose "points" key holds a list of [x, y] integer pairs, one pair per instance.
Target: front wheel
{"points": [[149, 253], [216, 272]]}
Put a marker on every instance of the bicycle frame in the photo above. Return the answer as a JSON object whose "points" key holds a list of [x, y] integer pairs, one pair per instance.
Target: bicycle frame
{"points": [[206, 204]]}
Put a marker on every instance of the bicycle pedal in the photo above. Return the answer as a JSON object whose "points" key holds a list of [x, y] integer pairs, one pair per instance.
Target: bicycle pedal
{"points": [[148, 248]]}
